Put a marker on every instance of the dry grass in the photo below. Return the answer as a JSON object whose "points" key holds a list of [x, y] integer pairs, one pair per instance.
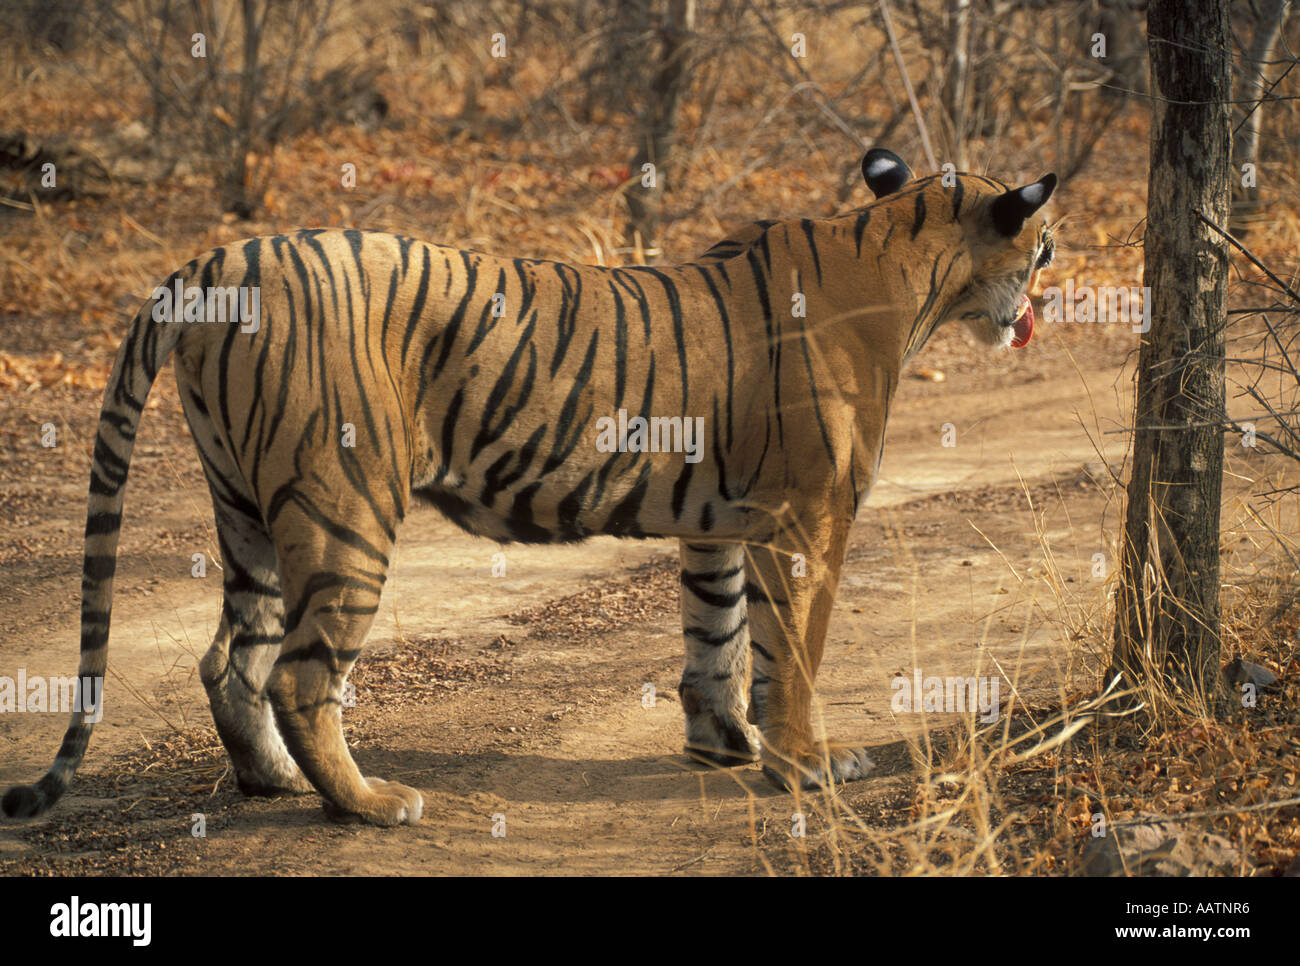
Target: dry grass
{"points": [[1024, 795]]}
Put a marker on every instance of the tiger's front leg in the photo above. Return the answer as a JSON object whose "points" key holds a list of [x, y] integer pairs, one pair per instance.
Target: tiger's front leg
{"points": [[790, 596], [716, 676]]}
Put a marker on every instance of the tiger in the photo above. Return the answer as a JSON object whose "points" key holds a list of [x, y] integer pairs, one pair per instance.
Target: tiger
{"points": [[475, 383]]}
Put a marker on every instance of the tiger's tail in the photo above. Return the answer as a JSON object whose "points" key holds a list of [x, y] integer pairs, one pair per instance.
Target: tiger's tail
{"points": [[142, 353]]}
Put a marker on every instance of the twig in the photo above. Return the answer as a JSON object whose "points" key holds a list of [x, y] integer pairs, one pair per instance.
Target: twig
{"points": [[1254, 261], [907, 85], [699, 858], [1209, 813]]}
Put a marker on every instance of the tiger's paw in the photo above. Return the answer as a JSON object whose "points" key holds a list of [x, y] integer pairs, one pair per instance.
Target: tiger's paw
{"points": [[386, 804], [717, 738], [732, 747], [821, 766], [255, 786]]}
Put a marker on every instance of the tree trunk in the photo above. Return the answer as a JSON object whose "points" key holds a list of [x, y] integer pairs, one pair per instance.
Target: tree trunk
{"points": [[1167, 608], [954, 88], [237, 178], [1251, 88], [659, 128]]}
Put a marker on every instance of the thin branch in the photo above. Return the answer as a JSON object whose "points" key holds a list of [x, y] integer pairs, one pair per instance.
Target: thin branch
{"points": [[1254, 261], [907, 84]]}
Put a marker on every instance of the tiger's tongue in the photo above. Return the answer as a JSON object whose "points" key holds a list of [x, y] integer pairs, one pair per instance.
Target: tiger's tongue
{"points": [[1024, 325]]}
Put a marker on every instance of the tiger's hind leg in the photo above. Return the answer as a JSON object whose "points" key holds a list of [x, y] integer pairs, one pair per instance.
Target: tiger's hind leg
{"points": [[332, 573], [715, 628], [235, 668]]}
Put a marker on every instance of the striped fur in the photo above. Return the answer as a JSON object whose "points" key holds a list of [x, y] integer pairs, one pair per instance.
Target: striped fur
{"points": [[492, 418]]}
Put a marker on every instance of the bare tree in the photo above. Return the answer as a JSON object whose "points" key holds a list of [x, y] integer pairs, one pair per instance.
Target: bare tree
{"points": [[658, 134], [1252, 91], [955, 84], [231, 80], [1167, 609]]}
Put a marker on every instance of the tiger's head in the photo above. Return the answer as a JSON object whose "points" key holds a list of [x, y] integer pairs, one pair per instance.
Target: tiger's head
{"points": [[996, 227]]}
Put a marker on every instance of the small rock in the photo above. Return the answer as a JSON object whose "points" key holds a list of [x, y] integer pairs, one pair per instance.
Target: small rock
{"points": [[1159, 847], [1243, 672]]}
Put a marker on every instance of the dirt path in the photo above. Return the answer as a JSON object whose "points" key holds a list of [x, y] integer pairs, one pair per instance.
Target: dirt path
{"points": [[540, 719]]}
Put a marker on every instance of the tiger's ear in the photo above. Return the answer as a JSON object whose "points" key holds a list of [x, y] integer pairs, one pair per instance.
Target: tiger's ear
{"points": [[1012, 208], [885, 172]]}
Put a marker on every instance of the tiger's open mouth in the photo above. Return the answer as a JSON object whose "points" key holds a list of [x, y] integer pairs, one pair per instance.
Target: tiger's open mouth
{"points": [[1022, 324]]}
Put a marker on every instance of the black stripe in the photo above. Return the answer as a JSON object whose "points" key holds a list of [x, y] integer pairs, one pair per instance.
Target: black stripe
{"points": [[417, 308], [251, 251], [755, 594], [812, 386], [488, 433], [338, 531], [679, 333], [569, 427], [122, 425], [762, 458], [860, 226], [318, 583], [449, 433], [520, 521], [622, 521], [760, 286], [728, 599], [529, 288], [494, 478], [73, 748], [97, 568], [358, 476], [723, 490], [709, 548], [726, 338], [807, 226], [571, 507], [528, 451], [112, 466], [566, 320], [680, 486], [624, 277], [322, 652], [100, 486], [245, 639], [715, 639], [620, 347], [487, 321], [448, 335], [706, 517], [103, 521]]}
